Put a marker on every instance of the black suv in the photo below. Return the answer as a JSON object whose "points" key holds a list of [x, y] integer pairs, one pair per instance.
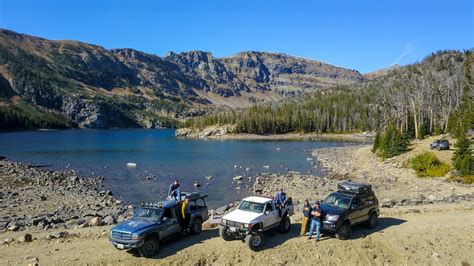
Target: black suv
{"points": [[352, 204], [440, 144]]}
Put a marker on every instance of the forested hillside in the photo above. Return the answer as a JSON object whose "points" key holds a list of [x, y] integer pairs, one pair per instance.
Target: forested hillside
{"points": [[98, 88], [423, 98]]}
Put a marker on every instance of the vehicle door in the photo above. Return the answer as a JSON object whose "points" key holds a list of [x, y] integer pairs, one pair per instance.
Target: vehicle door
{"points": [[270, 215], [200, 209], [170, 225], [355, 211], [365, 204]]}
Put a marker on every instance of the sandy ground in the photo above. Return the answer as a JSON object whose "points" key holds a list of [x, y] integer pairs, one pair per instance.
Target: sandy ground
{"points": [[438, 235]]}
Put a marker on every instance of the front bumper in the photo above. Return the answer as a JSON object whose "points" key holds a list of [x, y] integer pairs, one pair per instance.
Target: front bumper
{"points": [[126, 244], [330, 226], [236, 231]]}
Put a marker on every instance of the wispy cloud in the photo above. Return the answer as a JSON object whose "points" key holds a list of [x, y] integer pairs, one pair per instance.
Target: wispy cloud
{"points": [[408, 48]]}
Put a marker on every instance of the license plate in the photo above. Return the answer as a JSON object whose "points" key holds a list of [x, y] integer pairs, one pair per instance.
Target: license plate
{"points": [[233, 229], [120, 246]]}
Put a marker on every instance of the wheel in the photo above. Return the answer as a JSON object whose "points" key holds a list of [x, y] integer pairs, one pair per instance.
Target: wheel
{"points": [[150, 247], [254, 241], [196, 227], [223, 233], [344, 232], [372, 222], [285, 225]]}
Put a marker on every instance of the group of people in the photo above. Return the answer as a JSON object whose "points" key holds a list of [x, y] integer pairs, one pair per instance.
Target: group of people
{"points": [[312, 217]]}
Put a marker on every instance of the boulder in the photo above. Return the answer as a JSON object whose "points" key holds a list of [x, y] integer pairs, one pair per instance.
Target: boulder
{"points": [[108, 220], [387, 203], [96, 221], [25, 238], [8, 240]]}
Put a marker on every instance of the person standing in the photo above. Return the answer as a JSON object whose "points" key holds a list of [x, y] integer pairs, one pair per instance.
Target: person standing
{"points": [[280, 200], [315, 221], [174, 191], [185, 214], [306, 216], [258, 186]]}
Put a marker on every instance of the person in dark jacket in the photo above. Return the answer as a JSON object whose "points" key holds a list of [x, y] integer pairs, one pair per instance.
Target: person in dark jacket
{"points": [[315, 221], [173, 191], [306, 216], [280, 200]]}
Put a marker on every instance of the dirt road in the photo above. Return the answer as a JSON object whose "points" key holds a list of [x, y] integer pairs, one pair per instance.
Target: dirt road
{"points": [[434, 234]]}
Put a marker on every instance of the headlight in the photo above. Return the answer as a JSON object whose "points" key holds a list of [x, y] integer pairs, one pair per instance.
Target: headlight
{"points": [[248, 226], [331, 218], [136, 237], [224, 221]]}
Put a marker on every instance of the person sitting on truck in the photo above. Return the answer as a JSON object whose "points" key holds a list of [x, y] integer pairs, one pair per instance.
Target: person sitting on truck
{"points": [[280, 200], [315, 221], [185, 214], [306, 216], [173, 191]]}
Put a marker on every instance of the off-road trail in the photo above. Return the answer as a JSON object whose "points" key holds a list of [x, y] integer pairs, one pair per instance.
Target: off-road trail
{"points": [[437, 234]]}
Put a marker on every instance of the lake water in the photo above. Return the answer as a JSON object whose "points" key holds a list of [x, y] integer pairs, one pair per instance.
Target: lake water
{"points": [[160, 157]]}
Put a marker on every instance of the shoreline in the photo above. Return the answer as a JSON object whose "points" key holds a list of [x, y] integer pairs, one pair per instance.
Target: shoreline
{"points": [[357, 137]]}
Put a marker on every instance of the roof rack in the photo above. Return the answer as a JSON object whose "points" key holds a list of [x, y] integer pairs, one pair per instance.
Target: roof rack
{"points": [[354, 187]]}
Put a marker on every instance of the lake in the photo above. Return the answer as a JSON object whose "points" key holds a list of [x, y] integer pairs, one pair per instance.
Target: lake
{"points": [[160, 158]]}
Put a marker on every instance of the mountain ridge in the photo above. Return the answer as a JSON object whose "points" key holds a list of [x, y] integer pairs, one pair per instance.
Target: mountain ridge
{"points": [[98, 87]]}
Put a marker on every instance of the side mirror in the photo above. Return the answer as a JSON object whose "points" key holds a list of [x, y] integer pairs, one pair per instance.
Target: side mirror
{"points": [[267, 212]]}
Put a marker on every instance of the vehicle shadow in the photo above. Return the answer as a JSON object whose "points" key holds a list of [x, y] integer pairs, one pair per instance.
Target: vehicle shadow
{"points": [[273, 238], [179, 243], [360, 231]]}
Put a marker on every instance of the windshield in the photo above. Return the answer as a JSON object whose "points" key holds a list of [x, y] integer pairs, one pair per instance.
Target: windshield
{"points": [[338, 201], [148, 213], [251, 206]]}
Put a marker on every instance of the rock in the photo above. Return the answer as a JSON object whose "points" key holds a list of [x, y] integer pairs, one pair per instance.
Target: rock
{"points": [[96, 221], [248, 169], [63, 234], [431, 197], [239, 177], [387, 203], [8, 241], [13, 228], [25, 238], [32, 260], [435, 255], [413, 211], [108, 220]]}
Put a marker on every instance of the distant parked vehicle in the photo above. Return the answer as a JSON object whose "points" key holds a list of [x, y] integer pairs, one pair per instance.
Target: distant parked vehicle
{"points": [[440, 144], [154, 223]]}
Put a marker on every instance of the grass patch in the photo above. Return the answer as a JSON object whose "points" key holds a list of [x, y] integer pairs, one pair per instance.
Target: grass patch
{"points": [[428, 165], [469, 179]]}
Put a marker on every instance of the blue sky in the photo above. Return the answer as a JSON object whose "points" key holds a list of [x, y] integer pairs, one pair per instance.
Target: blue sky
{"points": [[364, 35]]}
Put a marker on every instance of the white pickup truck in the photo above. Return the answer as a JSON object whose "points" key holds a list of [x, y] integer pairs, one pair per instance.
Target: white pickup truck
{"points": [[255, 215]]}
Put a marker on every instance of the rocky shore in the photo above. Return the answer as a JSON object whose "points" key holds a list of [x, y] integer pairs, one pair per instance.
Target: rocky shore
{"points": [[36, 199], [227, 132]]}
